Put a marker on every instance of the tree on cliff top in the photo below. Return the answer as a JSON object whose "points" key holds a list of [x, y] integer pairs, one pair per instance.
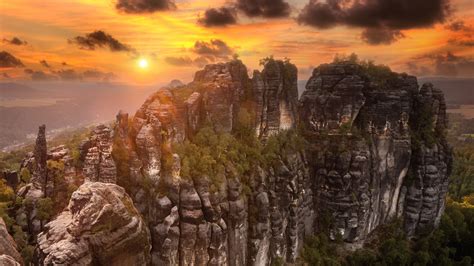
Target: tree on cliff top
{"points": [[378, 73]]}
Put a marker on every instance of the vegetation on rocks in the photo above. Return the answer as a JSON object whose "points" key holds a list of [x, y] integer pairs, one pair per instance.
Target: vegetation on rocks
{"points": [[450, 244], [211, 154], [379, 74]]}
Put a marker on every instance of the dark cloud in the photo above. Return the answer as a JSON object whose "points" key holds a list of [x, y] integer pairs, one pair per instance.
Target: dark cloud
{"points": [[144, 6], [202, 61], [216, 17], [264, 8], [457, 25], [15, 41], [199, 61], [7, 60], [418, 70], [376, 36], [100, 39], [227, 15], [462, 42], [6, 76], [40, 75], [98, 75], [64, 64], [45, 63], [179, 61], [214, 48], [388, 16], [68, 74], [463, 33], [205, 52], [447, 64]]}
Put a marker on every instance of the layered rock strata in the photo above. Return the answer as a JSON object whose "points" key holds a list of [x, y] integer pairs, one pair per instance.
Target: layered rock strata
{"points": [[363, 151], [99, 165], [276, 97]]}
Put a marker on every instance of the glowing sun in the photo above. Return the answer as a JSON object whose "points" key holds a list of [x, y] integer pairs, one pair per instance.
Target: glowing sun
{"points": [[143, 63]]}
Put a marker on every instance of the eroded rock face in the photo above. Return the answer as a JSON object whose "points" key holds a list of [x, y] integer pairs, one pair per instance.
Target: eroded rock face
{"points": [[425, 192], [36, 164], [224, 86], [100, 226], [276, 97], [43, 182], [99, 165], [362, 149], [8, 250], [280, 210]]}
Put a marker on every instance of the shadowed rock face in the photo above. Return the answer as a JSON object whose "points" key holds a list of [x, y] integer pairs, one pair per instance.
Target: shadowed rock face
{"points": [[367, 162], [431, 165], [363, 150], [99, 226], [224, 87], [276, 97], [8, 250]]}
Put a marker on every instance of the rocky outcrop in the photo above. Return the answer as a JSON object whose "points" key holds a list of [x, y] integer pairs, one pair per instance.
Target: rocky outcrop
{"points": [[8, 250], [51, 175], [276, 97], [39, 185], [11, 178], [100, 226], [362, 149], [99, 165], [427, 183], [8, 261], [63, 155], [224, 87]]}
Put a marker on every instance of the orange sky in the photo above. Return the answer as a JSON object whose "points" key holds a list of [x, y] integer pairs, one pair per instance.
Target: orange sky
{"points": [[48, 24]]}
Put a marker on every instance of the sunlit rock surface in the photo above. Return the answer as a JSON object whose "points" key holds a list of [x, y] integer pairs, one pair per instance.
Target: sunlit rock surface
{"points": [[99, 165], [99, 226]]}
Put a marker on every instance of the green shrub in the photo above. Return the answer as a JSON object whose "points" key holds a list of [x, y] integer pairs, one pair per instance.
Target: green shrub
{"points": [[27, 254], [44, 209], [379, 74], [25, 175]]}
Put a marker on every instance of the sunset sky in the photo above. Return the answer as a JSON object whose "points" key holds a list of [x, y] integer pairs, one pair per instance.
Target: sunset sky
{"points": [[51, 40]]}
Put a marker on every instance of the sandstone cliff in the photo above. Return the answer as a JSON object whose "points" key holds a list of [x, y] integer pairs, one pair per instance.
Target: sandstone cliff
{"points": [[374, 150], [99, 226]]}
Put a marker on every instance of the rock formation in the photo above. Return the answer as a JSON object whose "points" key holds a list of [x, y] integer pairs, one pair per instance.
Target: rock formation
{"points": [[100, 226], [276, 97], [47, 181], [97, 153], [363, 152], [372, 153], [8, 249]]}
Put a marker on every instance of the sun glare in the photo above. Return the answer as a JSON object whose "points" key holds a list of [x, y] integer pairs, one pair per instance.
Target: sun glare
{"points": [[143, 63]]}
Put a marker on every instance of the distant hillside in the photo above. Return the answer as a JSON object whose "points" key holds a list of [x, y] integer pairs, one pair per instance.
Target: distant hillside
{"points": [[10, 90], [70, 104]]}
